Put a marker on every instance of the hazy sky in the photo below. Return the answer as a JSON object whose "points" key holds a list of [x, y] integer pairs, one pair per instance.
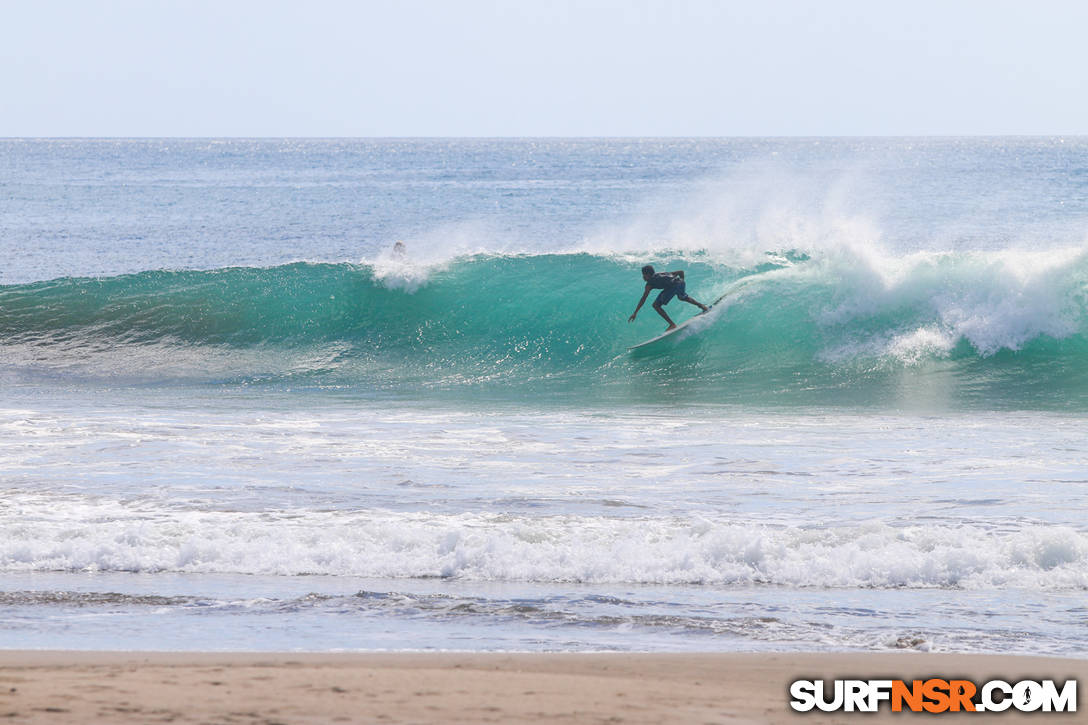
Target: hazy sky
{"points": [[542, 68]]}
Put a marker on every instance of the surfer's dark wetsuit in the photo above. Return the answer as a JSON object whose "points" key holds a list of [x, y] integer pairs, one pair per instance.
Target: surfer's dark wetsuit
{"points": [[671, 285]]}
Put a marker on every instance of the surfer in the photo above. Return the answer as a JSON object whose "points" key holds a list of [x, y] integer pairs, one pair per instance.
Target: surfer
{"points": [[671, 285]]}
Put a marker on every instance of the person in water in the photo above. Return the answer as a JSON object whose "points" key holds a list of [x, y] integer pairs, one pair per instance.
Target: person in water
{"points": [[671, 285]]}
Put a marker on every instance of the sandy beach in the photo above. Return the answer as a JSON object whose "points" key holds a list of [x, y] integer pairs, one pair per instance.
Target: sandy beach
{"points": [[126, 687]]}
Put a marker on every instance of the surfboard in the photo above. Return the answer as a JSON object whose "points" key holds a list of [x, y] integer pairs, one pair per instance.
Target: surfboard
{"points": [[668, 333], [678, 328]]}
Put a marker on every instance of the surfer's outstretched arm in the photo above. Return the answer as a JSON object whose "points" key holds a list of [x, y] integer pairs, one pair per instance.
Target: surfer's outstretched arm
{"points": [[645, 294]]}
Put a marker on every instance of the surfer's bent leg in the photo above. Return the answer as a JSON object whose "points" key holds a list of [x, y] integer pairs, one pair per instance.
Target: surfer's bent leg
{"points": [[661, 311], [662, 300], [683, 295], [697, 303]]}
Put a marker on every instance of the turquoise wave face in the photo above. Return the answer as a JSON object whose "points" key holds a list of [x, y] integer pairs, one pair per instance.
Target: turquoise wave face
{"points": [[991, 329]]}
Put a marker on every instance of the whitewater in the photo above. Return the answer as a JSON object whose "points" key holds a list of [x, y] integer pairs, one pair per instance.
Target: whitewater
{"points": [[234, 417]]}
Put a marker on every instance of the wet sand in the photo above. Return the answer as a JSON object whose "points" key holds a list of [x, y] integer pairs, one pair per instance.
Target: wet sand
{"points": [[250, 688]]}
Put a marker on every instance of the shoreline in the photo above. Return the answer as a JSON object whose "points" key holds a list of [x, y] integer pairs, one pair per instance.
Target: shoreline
{"points": [[50, 686]]}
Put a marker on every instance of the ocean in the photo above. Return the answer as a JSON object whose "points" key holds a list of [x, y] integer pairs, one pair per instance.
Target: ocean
{"points": [[233, 417]]}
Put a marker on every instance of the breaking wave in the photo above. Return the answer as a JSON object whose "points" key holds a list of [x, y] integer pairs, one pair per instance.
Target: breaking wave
{"points": [[1000, 328]]}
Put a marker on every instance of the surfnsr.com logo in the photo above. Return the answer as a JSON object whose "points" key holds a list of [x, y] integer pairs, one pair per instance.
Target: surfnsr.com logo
{"points": [[933, 695]]}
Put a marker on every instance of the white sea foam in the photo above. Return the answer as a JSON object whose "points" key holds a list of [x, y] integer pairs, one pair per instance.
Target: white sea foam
{"points": [[50, 533], [929, 302]]}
